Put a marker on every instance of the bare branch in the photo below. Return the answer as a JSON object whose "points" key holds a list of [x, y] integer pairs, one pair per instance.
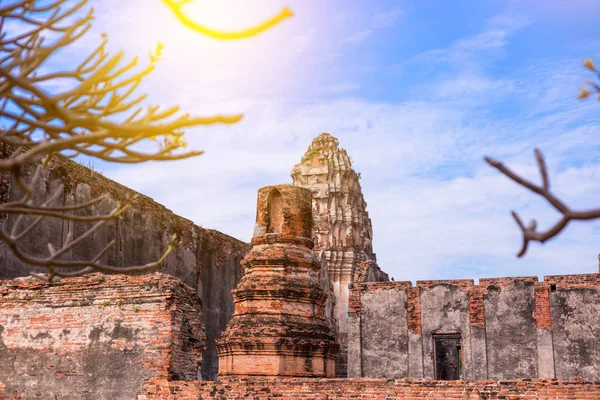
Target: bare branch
{"points": [[529, 232]]}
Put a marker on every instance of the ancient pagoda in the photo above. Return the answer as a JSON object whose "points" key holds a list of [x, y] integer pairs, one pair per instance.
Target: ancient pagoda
{"points": [[279, 328], [342, 229]]}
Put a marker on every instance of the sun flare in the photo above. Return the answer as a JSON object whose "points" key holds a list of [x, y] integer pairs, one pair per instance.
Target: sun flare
{"points": [[208, 8]]}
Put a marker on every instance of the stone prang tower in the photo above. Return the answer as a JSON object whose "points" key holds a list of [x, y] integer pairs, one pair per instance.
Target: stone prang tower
{"points": [[342, 230], [279, 327]]}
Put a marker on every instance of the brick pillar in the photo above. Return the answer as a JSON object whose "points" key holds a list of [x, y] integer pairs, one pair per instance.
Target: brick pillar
{"points": [[543, 323], [415, 338], [279, 326]]}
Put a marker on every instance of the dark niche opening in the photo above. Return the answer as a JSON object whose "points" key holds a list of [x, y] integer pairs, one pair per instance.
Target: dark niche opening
{"points": [[447, 354], [275, 209]]}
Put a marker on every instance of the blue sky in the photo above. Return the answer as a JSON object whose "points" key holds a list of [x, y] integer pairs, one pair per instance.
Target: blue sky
{"points": [[416, 91]]}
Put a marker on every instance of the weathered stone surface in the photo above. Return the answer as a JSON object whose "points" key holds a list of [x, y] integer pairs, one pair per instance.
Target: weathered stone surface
{"points": [[575, 311], [208, 261], [355, 358], [510, 330], [385, 350], [220, 272], [279, 326], [444, 310], [342, 228], [509, 327], [97, 337]]}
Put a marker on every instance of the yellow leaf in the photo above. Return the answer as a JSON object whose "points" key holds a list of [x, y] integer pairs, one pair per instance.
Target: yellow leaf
{"points": [[588, 63], [584, 93]]}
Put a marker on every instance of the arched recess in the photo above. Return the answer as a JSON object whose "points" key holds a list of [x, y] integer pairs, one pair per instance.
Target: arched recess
{"points": [[275, 210]]}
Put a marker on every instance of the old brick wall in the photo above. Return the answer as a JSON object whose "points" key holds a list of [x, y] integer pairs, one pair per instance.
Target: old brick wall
{"points": [[207, 261], [510, 328], [341, 389], [97, 337]]}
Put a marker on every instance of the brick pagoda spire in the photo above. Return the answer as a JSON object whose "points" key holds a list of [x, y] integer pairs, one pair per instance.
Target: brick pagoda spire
{"points": [[279, 327], [342, 229]]}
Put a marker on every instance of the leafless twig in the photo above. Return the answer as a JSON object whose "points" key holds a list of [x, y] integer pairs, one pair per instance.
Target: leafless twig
{"points": [[529, 231]]}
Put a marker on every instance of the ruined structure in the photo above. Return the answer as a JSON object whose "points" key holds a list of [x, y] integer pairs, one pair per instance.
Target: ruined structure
{"points": [[502, 328], [279, 326], [154, 336], [97, 337], [207, 261], [342, 229]]}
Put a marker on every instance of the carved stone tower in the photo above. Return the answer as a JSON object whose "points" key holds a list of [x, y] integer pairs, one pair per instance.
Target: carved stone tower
{"points": [[342, 227], [279, 326]]}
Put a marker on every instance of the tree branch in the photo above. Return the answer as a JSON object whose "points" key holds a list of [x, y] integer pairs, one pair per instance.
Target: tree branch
{"points": [[529, 232]]}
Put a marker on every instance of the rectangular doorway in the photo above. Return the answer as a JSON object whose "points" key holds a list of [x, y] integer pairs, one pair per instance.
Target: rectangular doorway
{"points": [[447, 355]]}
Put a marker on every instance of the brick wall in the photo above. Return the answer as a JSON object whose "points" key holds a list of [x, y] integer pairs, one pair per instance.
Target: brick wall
{"points": [[98, 336], [208, 261], [340, 389]]}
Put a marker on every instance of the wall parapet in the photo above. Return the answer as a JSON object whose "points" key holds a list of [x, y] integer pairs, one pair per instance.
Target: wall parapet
{"points": [[503, 328]]}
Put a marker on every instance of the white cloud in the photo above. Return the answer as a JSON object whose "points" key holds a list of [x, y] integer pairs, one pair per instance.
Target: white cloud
{"points": [[366, 24]]}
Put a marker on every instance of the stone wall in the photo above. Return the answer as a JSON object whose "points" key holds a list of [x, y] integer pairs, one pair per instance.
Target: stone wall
{"points": [[345, 389], [504, 328], [207, 261], [98, 336]]}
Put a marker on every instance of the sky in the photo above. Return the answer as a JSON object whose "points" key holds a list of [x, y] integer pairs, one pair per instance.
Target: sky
{"points": [[417, 92]]}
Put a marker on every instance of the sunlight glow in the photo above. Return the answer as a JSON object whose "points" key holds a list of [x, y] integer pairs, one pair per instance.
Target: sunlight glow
{"points": [[217, 70], [199, 8]]}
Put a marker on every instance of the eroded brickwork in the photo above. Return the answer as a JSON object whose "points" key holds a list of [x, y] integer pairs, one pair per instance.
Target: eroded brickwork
{"points": [[346, 389], [414, 310], [279, 327], [542, 305], [369, 271], [98, 336], [208, 261]]}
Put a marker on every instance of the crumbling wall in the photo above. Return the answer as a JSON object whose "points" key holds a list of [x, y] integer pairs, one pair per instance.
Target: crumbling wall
{"points": [[207, 261], [218, 278], [386, 349], [510, 329], [346, 389], [575, 313], [507, 328], [98, 336]]}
